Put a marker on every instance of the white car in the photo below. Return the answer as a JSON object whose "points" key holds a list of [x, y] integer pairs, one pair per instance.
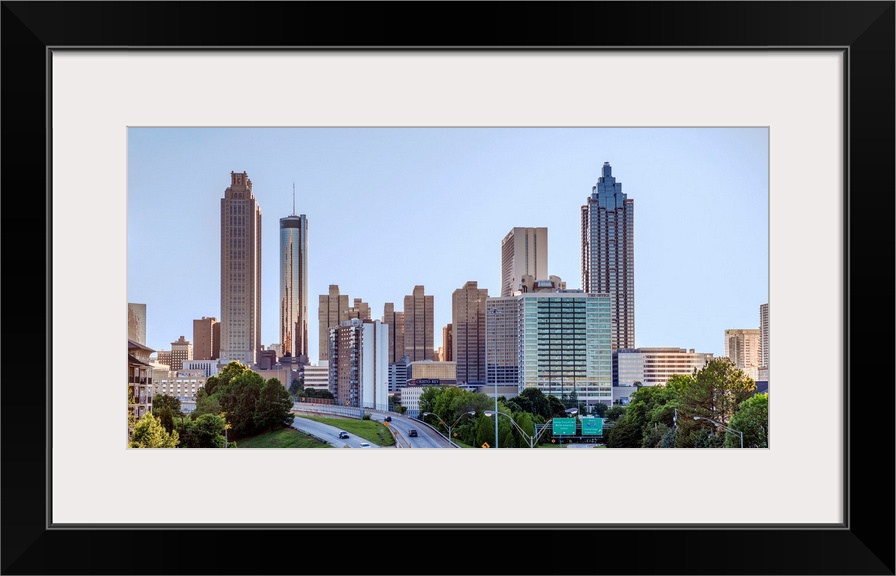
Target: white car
{"points": [[365, 444]]}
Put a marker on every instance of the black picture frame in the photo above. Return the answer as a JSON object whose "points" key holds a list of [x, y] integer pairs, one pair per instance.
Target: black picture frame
{"points": [[864, 544]]}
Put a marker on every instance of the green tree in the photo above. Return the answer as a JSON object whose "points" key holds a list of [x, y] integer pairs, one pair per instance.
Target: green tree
{"points": [[538, 403], [149, 433], [558, 408], [209, 431], [273, 406], [165, 417], [751, 419], [713, 392], [614, 413], [485, 431], [166, 401], [238, 397], [206, 404], [599, 409], [624, 434], [297, 388]]}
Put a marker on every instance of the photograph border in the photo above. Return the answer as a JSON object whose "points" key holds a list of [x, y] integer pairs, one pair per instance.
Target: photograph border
{"points": [[863, 31]]}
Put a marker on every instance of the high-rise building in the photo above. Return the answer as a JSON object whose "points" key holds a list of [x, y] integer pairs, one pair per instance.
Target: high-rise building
{"points": [[524, 251], [137, 323], [468, 327], [742, 348], [553, 339], [332, 310], [446, 352], [418, 325], [181, 351], [763, 336], [294, 286], [359, 369], [204, 338], [359, 310], [654, 366], [608, 253], [240, 272], [395, 320]]}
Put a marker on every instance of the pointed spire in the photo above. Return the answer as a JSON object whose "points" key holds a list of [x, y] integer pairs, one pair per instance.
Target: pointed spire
{"points": [[293, 198]]}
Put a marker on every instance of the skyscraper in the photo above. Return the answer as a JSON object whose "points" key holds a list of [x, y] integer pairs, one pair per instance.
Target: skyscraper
{"points": [[524, 251], [331, 310], [763, 336], [181, 351], [359, 372], [240, 272], [294, 285], [204, 338], [137, 322], [742, 348], [395, 320], [608, 253], [418, 325], [468, 327]]}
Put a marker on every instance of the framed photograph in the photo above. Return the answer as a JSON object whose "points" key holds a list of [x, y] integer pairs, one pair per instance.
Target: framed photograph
{"points": [[816, 78]]}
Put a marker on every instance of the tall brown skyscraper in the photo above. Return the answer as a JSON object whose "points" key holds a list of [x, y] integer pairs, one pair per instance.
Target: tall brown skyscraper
{"points": [[395, 320], [204, 338], [418, 325], [608, 253], [240, 272], [294, 285], [331, 311], [447, 343], [524, 251], [468, 325]]}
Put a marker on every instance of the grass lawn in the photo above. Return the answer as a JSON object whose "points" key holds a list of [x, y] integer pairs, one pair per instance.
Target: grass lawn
{"points": [[283, 438], [370, 430]]}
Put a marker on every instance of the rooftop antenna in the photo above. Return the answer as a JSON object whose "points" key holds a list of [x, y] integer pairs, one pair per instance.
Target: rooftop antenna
{"points": [[293, 198]]}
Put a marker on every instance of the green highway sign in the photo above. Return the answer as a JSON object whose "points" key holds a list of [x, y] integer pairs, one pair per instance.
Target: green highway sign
{"points": [[564, 426], [593, 426]]}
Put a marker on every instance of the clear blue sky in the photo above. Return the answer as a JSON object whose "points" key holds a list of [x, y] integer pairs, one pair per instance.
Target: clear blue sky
{"points": [[390, 208]]}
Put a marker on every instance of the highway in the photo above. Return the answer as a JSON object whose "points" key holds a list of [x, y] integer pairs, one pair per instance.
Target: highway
{"points": [[329, 434]]}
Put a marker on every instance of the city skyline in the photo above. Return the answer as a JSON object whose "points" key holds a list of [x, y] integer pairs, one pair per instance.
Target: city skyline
{"points": [[389, 209]]}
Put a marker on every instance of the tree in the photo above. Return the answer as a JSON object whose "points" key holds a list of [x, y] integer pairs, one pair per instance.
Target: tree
{"points": [[149, 433], [624, 434], [713, 392], [273, 406], [599, 409], [209, 431], [297, 388], [751, 419], [613, 413], [166, 401], [165, 416], [557, 406], [238, 397], [538, 403]]}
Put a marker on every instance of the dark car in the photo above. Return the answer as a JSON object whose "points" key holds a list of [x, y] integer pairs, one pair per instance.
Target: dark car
{"points": [[412, 433], [343, 434], [388, 418]]}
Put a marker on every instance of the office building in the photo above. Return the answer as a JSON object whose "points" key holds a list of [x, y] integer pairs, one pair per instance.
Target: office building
{"points": [[240, 272], [204, 338], [446, 352], [524, 251], [418, 325], [763, 339], [742, 348], [332, 310], [608, 253], [137, 322], [358, 363], [432, 373], [294, 286], [468, 327], [181, 351], [652, 367], [395, 320]]}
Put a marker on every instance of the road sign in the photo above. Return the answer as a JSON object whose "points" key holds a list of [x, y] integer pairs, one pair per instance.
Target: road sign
{"points": [[485, 445], [386, 424], [593, 426], [564, 426]]}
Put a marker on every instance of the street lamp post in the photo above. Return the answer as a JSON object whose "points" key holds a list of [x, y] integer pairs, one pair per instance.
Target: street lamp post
{"points": [[724, 428], [491, 413], [471, 413]]}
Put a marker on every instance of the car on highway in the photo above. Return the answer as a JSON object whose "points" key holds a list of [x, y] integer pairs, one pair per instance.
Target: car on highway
{"points": [[412, 433], [343, 434], [365, 444], [387, 419]]}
